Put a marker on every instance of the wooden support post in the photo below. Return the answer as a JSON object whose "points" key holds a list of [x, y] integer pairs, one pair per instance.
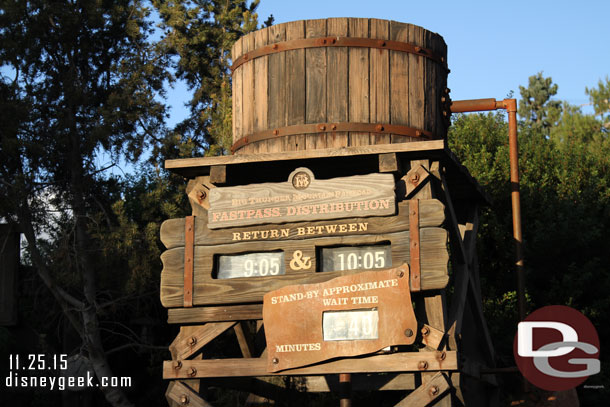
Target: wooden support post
{"points": [[179, 394], [218, 174], [388, 162]]}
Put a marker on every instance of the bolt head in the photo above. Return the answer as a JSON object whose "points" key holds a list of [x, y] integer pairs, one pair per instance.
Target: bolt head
{"points": [[184, 400], [434, 390], [192, 371], [192, 340], [441, 355], [422, 365], [177, 364], [425, 331], [408, 332], [275, 361]]}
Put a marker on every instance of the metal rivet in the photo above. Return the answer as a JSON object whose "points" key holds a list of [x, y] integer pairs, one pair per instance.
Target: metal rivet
{"points": [[381, 43], [379, 127], [413, 213], [275, 361], [414, 180], [324, 41], [192, 371], [423, 365], [408, 332], [322, 127], [276, 132], [334, 40], [434, 390], [400, 274], [441, 355], [275, 46], [417, 49], [418, 133], [202, 195], [245, 57], [443, 99], [333, 127], [177, 364], [425, 331], [184, 400], [192, 340]]}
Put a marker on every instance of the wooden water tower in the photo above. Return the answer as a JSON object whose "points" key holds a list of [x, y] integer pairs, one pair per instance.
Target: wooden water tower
{"points": [[330, 225]]}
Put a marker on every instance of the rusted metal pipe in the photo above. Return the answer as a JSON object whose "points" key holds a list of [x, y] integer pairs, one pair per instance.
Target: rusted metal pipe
{"points": [[345, 390], [510, 105]]}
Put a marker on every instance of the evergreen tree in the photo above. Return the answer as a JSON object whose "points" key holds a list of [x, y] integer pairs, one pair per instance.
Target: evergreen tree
{"points": [[80, 78], [536, 106], [200, 35]]}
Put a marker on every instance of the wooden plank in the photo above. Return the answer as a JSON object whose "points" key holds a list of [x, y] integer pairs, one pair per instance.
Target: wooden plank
{"points": [[277, 89], [214, 314], [336, 198], [261, 83], [397, 362], [422, 146], [337, 82], [358, 81], [360, 382], [182, 395], [431, 213], [315, 72], [295, 85], [399, 79], [207, 290], [380, 80], [434, 389], [237, 95], [247, 89], [192, 338], [432, 337]]}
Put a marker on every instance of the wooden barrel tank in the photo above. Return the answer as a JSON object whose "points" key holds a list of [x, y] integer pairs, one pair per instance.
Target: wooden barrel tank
{"points": [[338, 82]]}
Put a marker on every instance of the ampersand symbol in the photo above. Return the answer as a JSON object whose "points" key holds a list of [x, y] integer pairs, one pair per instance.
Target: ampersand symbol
{"points": [[299, 262]]}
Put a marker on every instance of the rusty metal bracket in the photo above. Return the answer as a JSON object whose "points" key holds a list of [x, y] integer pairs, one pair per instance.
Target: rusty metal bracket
{"points": [[414, 245], [375, 128], [354, 42], [189, 258]]}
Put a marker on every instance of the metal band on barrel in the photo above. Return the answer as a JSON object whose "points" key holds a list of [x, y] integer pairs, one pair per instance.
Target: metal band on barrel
{"points": [[338, 42], [331, 128]]}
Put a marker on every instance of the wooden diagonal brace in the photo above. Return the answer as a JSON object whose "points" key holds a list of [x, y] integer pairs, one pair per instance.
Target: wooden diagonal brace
{"points": [[189, 258], [428, 392], [183, 395], [192, 338]]}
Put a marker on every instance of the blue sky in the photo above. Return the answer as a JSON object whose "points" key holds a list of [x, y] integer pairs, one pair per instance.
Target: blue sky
{"points": [[493, 46]]}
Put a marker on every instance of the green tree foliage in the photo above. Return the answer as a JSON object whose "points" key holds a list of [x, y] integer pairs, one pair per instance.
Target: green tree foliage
{"points": [[200, 35], [536, 106], [600, 99], [565, 195]]}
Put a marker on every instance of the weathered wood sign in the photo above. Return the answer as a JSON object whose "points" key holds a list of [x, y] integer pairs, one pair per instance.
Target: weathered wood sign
{"points": [[240, 265], [302, 198], [346, 316]]}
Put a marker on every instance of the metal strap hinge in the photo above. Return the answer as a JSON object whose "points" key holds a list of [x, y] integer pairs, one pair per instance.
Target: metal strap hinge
{"points": [[189, 258], [414, 245]]}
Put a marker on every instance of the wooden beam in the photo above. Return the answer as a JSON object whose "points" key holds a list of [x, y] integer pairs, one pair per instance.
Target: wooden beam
{"points": [[244, 343], [398, 362], [388, 162], [420, 146], [214, 314], [218, 174]]}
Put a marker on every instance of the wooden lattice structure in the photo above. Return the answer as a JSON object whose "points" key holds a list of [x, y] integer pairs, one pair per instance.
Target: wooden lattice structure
{"points": [[342, 187]]}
